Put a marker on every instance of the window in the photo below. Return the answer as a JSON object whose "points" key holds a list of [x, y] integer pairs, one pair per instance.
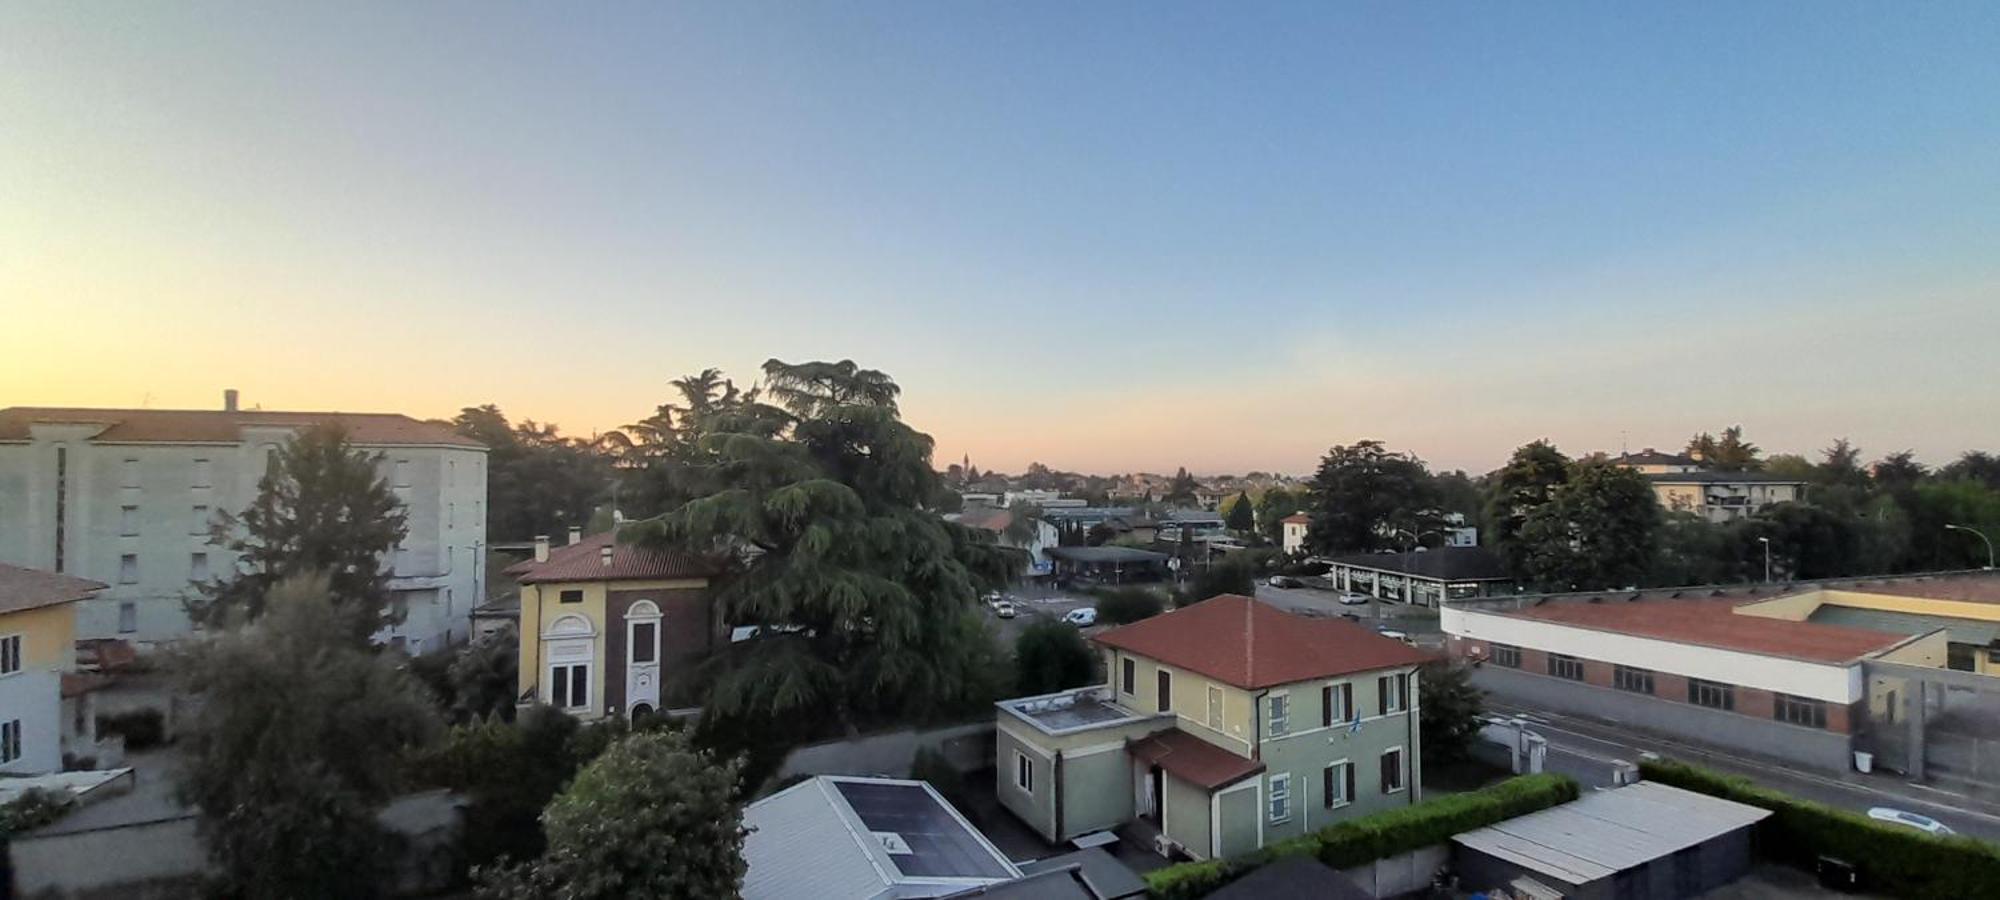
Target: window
{"points": [[1800, 711], [1215, 707], [1712, 694], [197, 567], [128, 568], [1392, 770], [1627, 678], [1165, 684], [1280, 798], [1281, 714], [1128, 676], [198, 519], [1565, 667], [1338, 785], [1392, 693], [1336, 703], [645, 643], [10, 740], [10, 654], [402, 473], [569, 686], [131, 473], [128, 521], [570, 596], [128, 617], [202, 474], [62, 502], [1507, 655], [1024, 772]]}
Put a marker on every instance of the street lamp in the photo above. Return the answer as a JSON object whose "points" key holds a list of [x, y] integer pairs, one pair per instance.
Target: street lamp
{"points": [[1982, 536], [1767, 558]]}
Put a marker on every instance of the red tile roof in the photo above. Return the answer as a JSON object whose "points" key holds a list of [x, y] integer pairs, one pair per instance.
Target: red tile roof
{"points": [[1192, 759], [25, 589], [584, 561], [1715, 623], [1256, 645], [200, 426], [1297, 519]]}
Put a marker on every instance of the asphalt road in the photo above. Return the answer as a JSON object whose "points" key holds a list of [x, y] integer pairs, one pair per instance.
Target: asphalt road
{"points": [[1584, 750]]}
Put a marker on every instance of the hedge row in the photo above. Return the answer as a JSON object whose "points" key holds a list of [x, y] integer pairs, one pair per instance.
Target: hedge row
{"points": [[1356, 841], [1891, 859]]}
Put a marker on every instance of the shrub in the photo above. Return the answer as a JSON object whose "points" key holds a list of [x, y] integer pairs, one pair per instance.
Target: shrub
{"points": [[1356, 841], [1889, 858], [1118, 606], [33, 809], [141, 728], [1051, 656]]}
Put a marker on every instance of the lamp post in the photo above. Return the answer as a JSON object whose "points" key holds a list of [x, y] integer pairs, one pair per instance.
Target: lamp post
{"points": [[1981, 535], [1767, 558]]}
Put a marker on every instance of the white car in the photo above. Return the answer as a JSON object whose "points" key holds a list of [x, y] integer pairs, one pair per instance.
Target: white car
{"points": [[1081, 618], [1924, 824], [1003, 609], [1352, 599]]}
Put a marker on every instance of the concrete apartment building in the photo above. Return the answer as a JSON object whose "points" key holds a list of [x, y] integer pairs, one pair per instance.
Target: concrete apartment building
{"points": [[1223, 726], [126, 497], [1683, 484]]}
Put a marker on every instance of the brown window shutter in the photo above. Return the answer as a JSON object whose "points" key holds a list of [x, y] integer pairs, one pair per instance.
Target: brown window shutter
{"points": [[1350, 780], [1382, 688], [1326, 707], [1326, 785]]}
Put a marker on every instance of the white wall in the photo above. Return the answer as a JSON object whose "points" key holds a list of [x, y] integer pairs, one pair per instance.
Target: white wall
{"points": [[35, 698], [1820, 681]]}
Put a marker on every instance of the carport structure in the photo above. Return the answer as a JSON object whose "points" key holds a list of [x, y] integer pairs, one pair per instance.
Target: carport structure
{"points": [[1108, 563]]}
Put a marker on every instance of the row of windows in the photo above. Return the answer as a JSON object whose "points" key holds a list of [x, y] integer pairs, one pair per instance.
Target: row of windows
{"points": [[1336, 785], [1336, 700], [1711, 694], [128, 567], [203, 474]]}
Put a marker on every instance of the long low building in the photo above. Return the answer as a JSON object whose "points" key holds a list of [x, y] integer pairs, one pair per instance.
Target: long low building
{"points": [[1423, 577]]}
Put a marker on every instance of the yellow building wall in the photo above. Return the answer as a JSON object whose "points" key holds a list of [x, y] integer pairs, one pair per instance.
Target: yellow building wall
{"points": [[48, 636], [1190, 700], [541, 606]]}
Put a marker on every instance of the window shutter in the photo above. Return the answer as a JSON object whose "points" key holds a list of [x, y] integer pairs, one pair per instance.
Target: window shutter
{"points": [[1326, 785], [1382, 688], [1349, 771], [1347, 702], [1403, 692], [1388, 772], [1326, 707]]}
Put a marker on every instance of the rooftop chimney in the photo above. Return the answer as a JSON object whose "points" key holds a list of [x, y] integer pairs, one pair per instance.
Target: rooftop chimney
{"points": [[541, 548], [229, 400], [604, 554], [575, 534]]}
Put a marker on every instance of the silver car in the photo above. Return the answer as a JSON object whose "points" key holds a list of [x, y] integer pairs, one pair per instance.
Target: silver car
{"points": [[1924, 824]]}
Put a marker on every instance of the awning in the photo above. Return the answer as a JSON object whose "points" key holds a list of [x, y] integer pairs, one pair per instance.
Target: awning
{"points": [[1192, 759]]}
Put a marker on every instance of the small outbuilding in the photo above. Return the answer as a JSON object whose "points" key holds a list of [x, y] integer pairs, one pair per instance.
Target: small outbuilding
{"points": [[1641, 840]]}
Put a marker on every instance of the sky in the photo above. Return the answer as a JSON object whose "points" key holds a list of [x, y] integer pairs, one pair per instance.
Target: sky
{"points": [[1107, 237]]}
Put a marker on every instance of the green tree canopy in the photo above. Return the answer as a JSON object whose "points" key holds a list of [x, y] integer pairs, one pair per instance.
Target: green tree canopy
{"points": [[537, 481], [321, 509], [1051, 656], [651, 817], [1598, 530], [1272, 508], [1242, 515], [294, 748], [1364, 494], [1730, 453], [1181, 491], [1525, 484], [1449, 707]]}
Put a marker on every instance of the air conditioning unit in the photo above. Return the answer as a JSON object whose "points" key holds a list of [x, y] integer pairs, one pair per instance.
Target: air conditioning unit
{"points": [[1163, 846]]}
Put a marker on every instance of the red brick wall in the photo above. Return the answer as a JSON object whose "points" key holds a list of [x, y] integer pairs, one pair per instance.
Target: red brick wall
{"points": [[1840, 717], [1753, 702], [1597, 673], [1670, 687]]}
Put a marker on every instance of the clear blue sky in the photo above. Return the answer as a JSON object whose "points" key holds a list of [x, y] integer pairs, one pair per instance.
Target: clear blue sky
{"points": [[1104, 236]]}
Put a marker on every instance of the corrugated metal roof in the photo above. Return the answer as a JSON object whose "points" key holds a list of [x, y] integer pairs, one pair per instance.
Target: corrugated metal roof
{"points": [[1963, 631], [1606, 832]]}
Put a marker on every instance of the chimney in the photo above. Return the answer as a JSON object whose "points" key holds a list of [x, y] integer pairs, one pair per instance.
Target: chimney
{"points": [[604, 554], [541, 548], [229, 400], [575, 534]]}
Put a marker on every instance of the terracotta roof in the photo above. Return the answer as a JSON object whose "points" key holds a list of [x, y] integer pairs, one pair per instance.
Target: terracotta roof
{"points": [[584, 561], [1715, 623], [25, 589], [1297, 519], [1256, 645], [198, 426], [1192, 759]]}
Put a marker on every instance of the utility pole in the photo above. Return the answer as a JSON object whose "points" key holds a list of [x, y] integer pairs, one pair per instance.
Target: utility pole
{"points": [[1981, 535], [1767, 558]]}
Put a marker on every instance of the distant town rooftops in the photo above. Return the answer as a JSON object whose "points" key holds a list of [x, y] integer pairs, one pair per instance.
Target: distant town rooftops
{"points": [[1713, 622], [25, 589], [585, 560], [1441, 563], [214, 426], [1254, 645]]}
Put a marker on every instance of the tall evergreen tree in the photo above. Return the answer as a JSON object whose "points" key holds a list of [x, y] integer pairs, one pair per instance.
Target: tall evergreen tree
{"points": [[1242, 517], [1600, 529], [1181, 491], [1528, 482], [1363, 495], [321, 507]]}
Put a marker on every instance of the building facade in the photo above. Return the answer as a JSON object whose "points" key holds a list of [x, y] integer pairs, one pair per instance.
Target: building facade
{"points": [[1225, 726], [1723, 496], [37, 655], [1292, 532], [608, 628], [1424, 577], [128, 498]]}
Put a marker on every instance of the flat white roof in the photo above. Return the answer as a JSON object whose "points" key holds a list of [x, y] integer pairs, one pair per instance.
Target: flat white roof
{"points": [[1606, 832]]}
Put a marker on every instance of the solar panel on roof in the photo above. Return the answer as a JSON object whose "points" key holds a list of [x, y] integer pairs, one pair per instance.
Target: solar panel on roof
{"points": [[939, 844]]}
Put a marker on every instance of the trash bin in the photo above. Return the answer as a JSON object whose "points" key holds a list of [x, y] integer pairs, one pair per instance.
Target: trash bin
{"points": [[1864, 762], [1835, 874]]}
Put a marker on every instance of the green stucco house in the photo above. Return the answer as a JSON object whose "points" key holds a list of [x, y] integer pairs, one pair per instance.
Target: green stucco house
{"points": [[1223, 727]]}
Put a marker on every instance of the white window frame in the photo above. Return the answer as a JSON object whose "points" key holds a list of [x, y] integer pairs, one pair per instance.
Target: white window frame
{"points": [[1024, 772], [1341, 692], [1391, 689], [1216, 713], [1401, 770], [1278, 799], [10, 660], [1278, 725], [568, 679], [1339, 769]]}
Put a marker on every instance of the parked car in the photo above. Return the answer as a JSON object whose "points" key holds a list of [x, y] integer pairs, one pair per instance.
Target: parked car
{"points": [[1282, 581], [1924, 824], [1395, 634], [1004, 609], [1352, 599], [1081, 618]]}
